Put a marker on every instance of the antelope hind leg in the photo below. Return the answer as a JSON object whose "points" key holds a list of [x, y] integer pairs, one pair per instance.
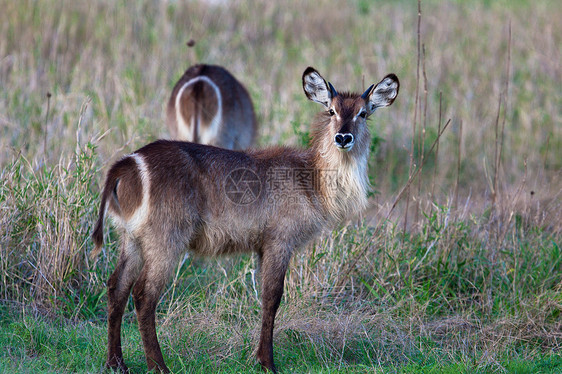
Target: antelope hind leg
{"points": [[118, 290], [146, 293]]}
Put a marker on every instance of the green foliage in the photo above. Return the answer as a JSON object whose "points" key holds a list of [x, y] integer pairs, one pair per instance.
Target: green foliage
{"points": [[46, 235], [303, 136], [469, 286], [376, 142]]}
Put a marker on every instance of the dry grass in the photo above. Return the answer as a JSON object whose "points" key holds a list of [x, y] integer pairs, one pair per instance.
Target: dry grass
{"points": [[466, 276]]}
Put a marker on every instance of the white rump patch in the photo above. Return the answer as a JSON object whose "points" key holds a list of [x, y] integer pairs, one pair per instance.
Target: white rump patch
{"points": [[185, 131], [141, 214]]}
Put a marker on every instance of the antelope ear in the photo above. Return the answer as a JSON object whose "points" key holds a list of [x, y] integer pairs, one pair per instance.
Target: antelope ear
{"points": [[316, 88], [383, 94]]}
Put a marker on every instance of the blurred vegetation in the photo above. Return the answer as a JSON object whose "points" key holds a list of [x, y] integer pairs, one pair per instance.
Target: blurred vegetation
{"points": [[471, 282]]}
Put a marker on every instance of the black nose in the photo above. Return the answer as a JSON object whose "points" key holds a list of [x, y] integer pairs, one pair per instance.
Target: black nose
{"points": [[343, 139]]}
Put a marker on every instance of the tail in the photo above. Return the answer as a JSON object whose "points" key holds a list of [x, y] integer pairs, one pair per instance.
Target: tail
{"points": [[195, 92], [97, 235], [196, 117]]}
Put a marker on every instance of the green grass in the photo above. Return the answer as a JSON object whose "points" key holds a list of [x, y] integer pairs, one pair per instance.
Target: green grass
{"points": [[35, 344], [472, 282], [404, 310]]}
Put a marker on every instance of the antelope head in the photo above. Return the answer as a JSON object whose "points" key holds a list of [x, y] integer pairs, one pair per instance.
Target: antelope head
{"points": [[345, 120]]}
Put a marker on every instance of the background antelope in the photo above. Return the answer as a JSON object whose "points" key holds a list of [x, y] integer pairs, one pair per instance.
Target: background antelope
{"points": [[170, 196], [209, 106]]}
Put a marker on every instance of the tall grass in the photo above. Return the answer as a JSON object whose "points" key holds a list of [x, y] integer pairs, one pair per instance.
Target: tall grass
{"points": [[467, 278], [46, 219]]}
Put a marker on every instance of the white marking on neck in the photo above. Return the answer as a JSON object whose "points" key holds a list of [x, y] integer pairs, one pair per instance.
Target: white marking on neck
{"points": [[353, 183], [141, 214], [184, 130], [354, 187]]}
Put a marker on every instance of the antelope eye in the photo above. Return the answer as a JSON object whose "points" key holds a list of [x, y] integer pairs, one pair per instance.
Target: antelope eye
{"points": [[363, 114], [331, 112]]}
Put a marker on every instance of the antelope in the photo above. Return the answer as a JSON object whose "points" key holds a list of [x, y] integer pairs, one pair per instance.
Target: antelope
{"points": [[209, 106], [169, 197]]}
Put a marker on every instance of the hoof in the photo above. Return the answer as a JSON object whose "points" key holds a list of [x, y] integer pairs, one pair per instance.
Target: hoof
{"points": [[158, 369], [267, 367], [118, 367]]}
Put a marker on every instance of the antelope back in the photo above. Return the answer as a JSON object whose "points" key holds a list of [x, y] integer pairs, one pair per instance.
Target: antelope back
{"points": [[209, 106]]}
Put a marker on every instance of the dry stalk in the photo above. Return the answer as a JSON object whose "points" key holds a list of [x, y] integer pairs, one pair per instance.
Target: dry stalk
{"points": [[412, 165], [458, 166], [437, 148], [496, 159], [45, 132], [422, 133], [366, 244], [500, 132], [506, 90]]}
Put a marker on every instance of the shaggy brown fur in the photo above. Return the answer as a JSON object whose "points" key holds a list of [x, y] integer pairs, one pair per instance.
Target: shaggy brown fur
{"points": [[170, 196]]}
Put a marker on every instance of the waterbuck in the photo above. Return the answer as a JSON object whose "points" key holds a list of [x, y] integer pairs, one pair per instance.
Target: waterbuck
{"points": [[171, 196], [209, 106]]}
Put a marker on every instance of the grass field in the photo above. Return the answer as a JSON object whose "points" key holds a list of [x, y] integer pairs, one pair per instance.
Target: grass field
{"points": [[460, 272]]}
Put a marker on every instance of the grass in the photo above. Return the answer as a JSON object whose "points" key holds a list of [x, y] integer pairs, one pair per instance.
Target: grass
{"points": [[35, 344], [472, 282]]}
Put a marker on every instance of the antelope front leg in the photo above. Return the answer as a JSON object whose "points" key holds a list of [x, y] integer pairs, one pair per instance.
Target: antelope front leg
{"points": [[273, 268]]}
